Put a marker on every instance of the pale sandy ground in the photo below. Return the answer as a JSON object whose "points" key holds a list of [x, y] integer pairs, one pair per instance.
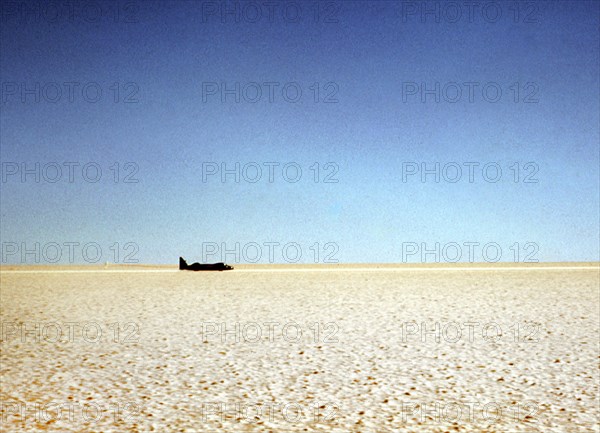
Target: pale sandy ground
{"points": [[375, 378]]}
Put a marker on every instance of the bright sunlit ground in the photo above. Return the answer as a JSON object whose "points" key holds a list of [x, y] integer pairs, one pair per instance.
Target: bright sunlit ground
{"points": [[365, 348]]}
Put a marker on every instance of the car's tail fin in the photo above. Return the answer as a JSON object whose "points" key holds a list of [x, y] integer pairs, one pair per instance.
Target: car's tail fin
{"points": [[182, 264]]}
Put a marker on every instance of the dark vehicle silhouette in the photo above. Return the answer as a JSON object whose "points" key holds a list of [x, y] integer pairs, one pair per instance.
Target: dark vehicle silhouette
{"points": [[183, 266]]}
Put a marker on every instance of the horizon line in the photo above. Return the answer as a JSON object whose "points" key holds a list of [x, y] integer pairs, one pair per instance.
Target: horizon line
{"points": [[291, 267]]}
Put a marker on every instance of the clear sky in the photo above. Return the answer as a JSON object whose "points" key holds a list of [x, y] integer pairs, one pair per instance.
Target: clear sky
{"points": [[169, 91]]}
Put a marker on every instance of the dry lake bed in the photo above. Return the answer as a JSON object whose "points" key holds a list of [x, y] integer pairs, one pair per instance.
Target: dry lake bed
{"points": [[294, 349]]}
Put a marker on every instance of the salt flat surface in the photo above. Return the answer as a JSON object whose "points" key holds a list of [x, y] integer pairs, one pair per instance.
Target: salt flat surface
{"points": [[469, 350]]}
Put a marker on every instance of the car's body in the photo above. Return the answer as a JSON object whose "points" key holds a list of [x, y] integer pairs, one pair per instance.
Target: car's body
{"points": [[183, 266]]}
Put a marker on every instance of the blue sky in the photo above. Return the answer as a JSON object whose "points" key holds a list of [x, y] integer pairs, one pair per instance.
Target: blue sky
{"points": [[163, 57]]}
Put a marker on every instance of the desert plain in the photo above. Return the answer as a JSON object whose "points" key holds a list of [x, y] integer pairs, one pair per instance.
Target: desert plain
{"points": [[361, 348]]}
